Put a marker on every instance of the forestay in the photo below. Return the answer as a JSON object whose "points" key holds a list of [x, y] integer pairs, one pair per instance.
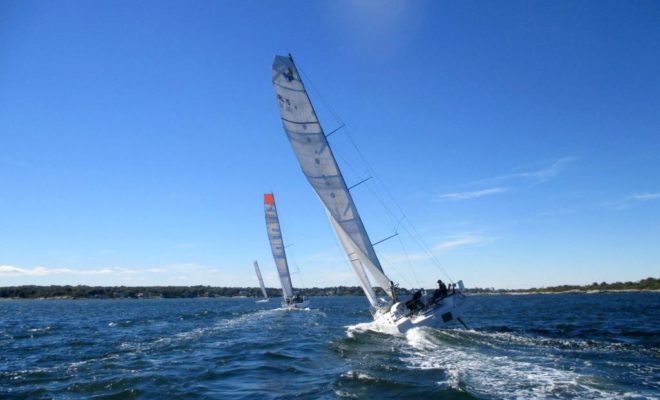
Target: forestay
{"points": [[277, 244], [261, 281], [320, 167]]}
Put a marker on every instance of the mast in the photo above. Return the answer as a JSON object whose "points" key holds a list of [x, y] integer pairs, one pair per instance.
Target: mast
{"points": [[319, 165], [277, 244], [261, 281]]}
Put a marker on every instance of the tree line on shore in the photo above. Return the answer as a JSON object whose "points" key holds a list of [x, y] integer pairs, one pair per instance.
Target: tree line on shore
{"points": [[137, 292], [644, 284]]}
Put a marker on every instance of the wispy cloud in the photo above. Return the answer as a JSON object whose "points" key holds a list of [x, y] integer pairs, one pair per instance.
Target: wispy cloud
{"points": [[645, 196], [448, 244], [542, 174], [558, 212], [457, 196], [460, 241], [633, 199], [10, 270], [171, 274], [401, 258]]}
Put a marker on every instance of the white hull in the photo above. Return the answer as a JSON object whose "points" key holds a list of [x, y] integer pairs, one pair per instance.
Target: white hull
{"points": [[398, 319]]}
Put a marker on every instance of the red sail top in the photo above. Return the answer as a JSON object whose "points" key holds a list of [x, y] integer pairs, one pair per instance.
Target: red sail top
{"points": [[268, 198]]}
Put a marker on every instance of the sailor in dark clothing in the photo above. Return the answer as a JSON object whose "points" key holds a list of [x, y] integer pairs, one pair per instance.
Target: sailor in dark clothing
{"points": [[441, 292], [443, 288], [415, 303]]}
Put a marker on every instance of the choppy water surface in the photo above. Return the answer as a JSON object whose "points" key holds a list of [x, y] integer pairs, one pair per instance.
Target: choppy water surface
{"points": [[541, 346]]}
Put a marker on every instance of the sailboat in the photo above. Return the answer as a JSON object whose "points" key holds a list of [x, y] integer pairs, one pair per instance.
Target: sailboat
{"points": [[320, 167], [290, 299], [261, 283]]}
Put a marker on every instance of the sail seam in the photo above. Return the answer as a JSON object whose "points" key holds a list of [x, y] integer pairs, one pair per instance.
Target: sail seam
{"points": [[289, 88]]}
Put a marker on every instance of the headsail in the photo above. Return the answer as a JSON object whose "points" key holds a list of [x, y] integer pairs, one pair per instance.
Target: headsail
{"points": [[277, 244], [354, 258], [261, 281], [320, 167]]}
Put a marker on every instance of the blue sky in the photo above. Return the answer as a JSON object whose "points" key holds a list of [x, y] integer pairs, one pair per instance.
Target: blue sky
{"points": [[137, 139]]}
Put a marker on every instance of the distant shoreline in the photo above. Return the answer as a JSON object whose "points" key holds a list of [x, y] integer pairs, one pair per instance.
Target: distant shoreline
{"points": [[68, 292], [575, 291], [540, 293]]}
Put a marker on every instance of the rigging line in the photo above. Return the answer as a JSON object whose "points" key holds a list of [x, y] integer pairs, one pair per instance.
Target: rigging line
{"points": [[369, 187], [357, 171], [394, 220], [398, 224], [391, 215], [378, 215], [427, 250], [350, 137], [372, 172], [318, 93], [420, 241], [333, 131], [348, 263], [297, 272], [359, 183], [387, 238], [402, 277], [412, 268], [388, 212], [417, 238], [372, 189]]}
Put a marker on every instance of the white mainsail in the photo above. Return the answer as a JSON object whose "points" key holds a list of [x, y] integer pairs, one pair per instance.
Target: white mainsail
{"points": [[261, 280], [311, 147], [277, 244]]}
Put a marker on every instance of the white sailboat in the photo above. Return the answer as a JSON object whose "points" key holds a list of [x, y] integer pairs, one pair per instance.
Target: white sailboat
{"points": [[261, 284], [290, 299], [318, 163]]}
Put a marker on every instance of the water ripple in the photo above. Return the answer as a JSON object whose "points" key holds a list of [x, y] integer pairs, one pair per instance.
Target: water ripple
{"points": [[520, 347]]}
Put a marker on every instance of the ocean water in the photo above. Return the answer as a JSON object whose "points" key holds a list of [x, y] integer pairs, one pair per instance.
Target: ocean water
{"points": [[526, 346]]}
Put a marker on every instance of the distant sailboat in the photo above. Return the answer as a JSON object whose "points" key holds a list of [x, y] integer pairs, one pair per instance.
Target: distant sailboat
{"points": [[290, 299], [318, 163], [261, 283]]}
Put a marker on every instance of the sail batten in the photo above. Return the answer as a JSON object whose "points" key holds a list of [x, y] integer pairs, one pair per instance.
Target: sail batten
{"points": [[261, 280], [320, 167], [277, 244], [300, 123]]}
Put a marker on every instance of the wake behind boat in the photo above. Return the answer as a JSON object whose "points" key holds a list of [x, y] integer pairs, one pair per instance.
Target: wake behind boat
{"points": [[290, 299], [319, 165]]}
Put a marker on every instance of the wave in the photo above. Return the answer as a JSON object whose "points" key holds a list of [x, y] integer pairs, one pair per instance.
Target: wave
{"points": [[372, 326], [492, 364]]}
